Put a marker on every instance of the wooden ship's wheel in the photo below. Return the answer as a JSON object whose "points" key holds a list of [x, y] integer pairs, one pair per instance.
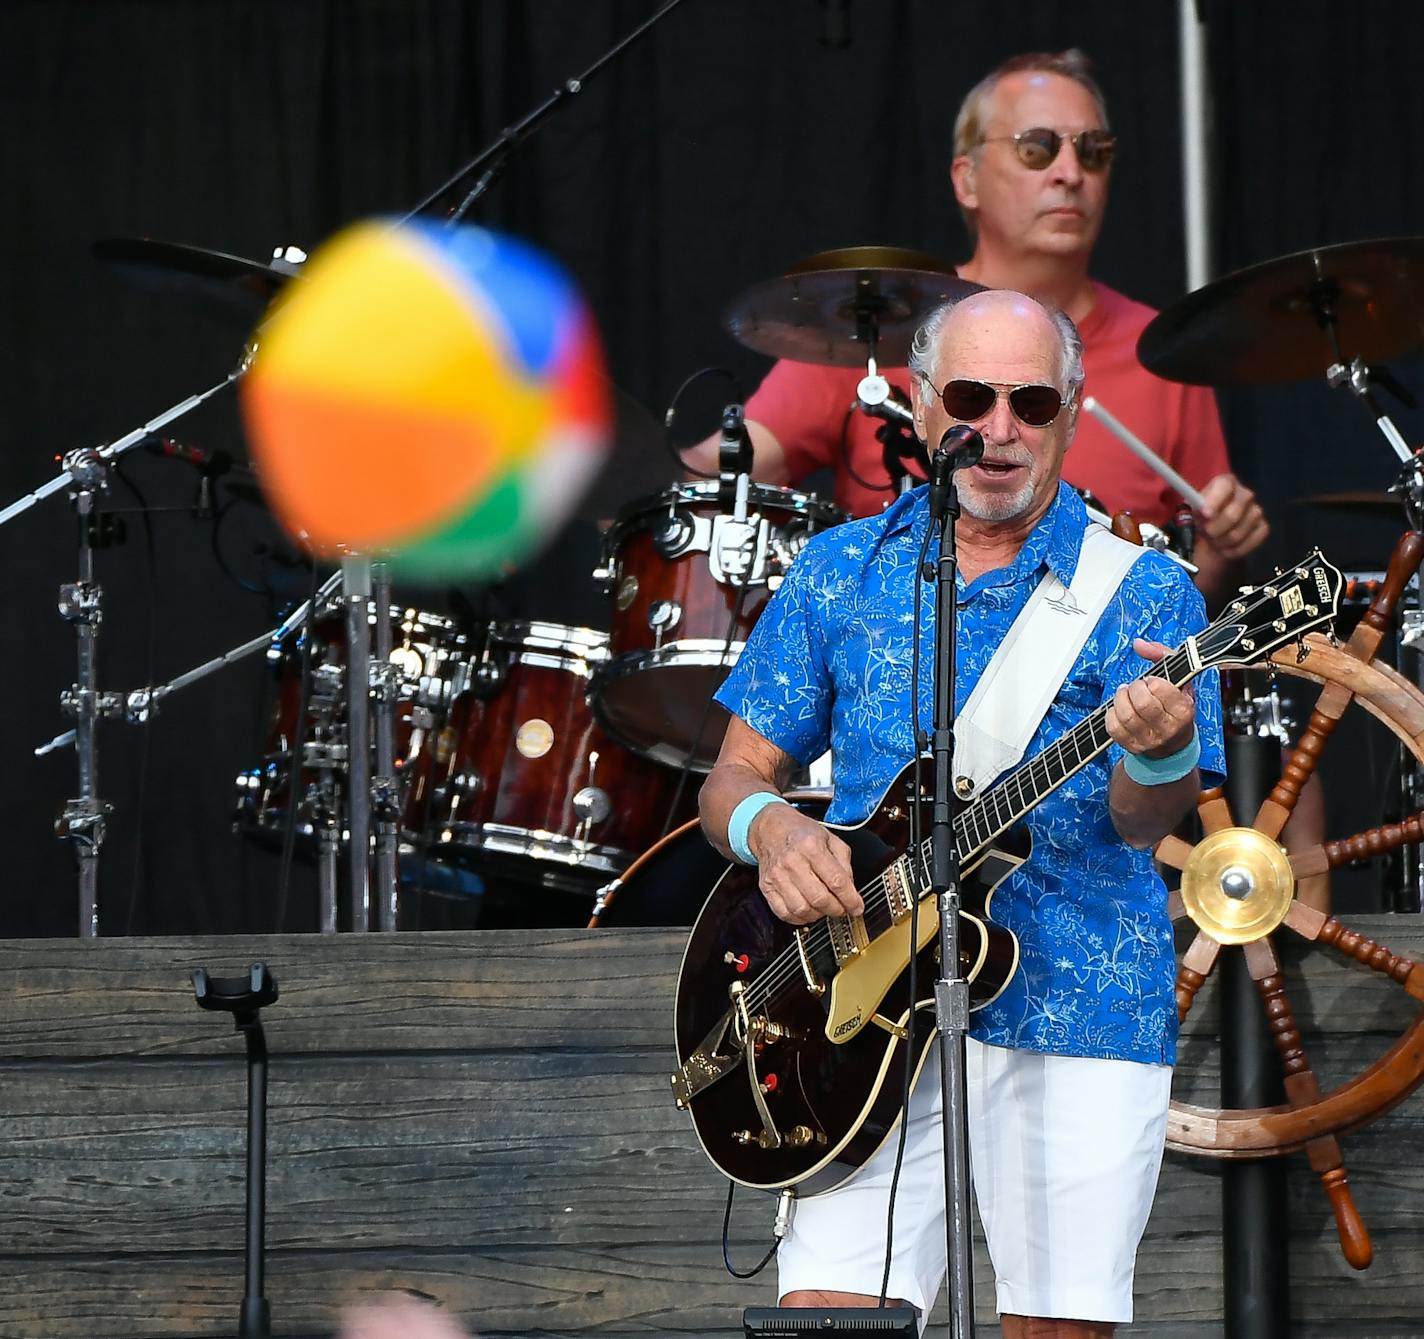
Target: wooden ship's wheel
{"points": [[1238, 886]]}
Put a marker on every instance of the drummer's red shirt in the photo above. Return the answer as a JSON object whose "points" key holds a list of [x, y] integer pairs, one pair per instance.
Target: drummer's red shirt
{"points": [[806, 406]]}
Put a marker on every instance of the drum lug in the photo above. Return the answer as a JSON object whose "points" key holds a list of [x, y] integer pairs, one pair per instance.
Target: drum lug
{"points": [[663, 616], [592, 804]]}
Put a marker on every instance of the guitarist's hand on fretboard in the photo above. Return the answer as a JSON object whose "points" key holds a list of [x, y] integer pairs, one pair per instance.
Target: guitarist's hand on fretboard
{"points": [[805, 871], [1151, 716]]}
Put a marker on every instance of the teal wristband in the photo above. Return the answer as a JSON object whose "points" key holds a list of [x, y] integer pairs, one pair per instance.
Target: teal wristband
{"points": [[1163, 771], [741, 821]]}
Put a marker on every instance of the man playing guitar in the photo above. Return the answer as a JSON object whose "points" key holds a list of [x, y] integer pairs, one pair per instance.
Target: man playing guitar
{"points": [[1070, 1067]]}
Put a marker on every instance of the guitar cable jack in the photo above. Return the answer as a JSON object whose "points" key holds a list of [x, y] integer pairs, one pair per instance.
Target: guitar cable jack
{"points": [[785, 1209]]}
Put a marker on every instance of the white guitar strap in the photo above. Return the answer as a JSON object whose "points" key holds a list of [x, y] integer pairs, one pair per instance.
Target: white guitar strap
{"points": [[1026, 672]]}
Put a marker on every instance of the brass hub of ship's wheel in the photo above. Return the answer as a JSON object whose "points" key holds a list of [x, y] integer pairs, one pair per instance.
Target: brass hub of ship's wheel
{"points": [[1237, 885]]}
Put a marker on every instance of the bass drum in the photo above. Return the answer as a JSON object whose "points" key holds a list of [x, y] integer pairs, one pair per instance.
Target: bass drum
{"points": [[669, 882]]}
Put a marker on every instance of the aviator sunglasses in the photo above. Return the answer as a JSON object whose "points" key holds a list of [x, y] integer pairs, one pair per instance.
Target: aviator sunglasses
{"points": [[1039, 146], [969, 401]]}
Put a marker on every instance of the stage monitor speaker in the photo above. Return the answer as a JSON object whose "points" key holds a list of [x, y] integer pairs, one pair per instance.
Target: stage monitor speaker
{"points": [[818, 1322]]}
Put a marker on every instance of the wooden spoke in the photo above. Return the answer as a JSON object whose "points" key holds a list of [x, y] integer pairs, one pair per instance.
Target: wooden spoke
{"points": [[1379, 617], [1373, 841], [1195, 967], [1213, 811], [1301, 765], [1376, 957], [1328, 1162], [1173, 851]]}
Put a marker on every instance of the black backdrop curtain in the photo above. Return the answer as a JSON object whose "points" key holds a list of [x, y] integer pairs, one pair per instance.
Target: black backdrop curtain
{"points": [[727, 145]]}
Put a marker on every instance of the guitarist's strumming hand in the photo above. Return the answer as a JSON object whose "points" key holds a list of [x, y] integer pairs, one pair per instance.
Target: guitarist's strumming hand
{"points": [[1151, 718], [804, 869]]}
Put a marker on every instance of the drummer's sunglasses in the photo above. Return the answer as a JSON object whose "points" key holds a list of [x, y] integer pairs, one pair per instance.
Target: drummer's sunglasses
{"points": [[1038, 147], [969, 401]]}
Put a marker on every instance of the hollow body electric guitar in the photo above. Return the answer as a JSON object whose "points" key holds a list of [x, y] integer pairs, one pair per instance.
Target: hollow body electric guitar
{"points": [[792, 1042]]}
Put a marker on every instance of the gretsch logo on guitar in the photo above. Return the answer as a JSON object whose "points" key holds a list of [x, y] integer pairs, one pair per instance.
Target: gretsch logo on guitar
{"points": [[792, 1042]]}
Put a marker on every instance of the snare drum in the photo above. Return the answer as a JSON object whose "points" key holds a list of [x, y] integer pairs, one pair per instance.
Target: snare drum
{"points": [[687, 581], [530, 784], [426, 651]]}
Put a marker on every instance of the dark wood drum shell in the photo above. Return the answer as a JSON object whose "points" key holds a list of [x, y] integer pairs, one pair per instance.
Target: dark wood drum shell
{"points": [[530, 784], [687, 582]]}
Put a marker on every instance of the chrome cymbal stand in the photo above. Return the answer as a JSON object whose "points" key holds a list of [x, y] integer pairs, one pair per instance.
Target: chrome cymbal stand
{"points": [[82, 820], [85, 474], [356, 595], [385, 785]]}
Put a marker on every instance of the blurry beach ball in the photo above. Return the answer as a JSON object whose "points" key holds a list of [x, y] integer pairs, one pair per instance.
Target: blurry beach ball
{"points": [[436, 396]]}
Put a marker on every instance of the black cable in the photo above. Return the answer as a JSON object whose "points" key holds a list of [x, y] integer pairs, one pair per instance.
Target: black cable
{"points": [[727, 1248], [671, 414], [150, 549], [889, 484], [686, 770], [289, 832], [916, 867]]}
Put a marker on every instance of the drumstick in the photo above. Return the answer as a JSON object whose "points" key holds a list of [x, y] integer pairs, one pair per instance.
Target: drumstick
{"points": [[1145, 453]]}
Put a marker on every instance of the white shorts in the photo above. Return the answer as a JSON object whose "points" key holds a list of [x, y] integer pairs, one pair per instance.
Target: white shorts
{"points": [[1065, 1154]]}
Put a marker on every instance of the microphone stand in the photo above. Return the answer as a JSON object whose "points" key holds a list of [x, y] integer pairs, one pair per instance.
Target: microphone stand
{"points": [[951, 989], [493, 156]]}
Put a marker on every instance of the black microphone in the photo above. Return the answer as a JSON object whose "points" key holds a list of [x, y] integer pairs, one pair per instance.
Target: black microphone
{"points": [[211, 463], [734, 459], [959, 448]]}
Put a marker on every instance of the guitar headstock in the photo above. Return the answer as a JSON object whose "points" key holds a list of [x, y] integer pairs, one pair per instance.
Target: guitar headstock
{"points": [[1261, 619]]}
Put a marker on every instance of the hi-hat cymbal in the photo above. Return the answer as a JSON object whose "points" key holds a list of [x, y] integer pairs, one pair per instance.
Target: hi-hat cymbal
{"points": [[196, 269], [1270, 322], [822, 308]]}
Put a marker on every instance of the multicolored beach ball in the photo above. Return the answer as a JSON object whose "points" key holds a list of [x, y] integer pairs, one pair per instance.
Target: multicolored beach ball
{"points": [[436, 396]]}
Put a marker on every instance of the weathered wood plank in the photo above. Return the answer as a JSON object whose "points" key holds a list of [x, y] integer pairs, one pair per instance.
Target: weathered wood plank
{"points": [[475, 990], [120, 1156]]}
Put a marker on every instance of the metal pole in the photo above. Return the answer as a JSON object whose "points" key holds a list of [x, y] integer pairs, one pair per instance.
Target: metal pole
{"points": [[1196, 174], [1254, 1226], [356, 587], [80, 603], [256, 1320], [385, 787]]}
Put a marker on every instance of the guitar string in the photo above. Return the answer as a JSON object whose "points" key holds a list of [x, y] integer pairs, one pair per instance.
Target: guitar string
{"points": [[1040, 771]]}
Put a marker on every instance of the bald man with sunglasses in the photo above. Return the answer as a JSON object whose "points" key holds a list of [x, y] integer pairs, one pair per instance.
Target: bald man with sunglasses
{"points": [[1069, 1068], [1032, 162]]}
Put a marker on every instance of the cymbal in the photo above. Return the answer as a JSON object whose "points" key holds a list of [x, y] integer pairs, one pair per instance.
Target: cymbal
{"points": [[820, 310], [196, 269], [1268, 323], [1362, 499]]}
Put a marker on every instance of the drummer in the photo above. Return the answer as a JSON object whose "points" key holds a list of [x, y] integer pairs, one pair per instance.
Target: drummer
{"points": [[1032, 158]]}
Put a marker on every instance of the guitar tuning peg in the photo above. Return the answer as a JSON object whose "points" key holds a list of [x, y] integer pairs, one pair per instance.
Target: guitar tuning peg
{"points": [[1301, 651]]}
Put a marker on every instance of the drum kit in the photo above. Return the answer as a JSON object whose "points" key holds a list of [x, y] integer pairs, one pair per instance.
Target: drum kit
{"points": [[553, 757]]}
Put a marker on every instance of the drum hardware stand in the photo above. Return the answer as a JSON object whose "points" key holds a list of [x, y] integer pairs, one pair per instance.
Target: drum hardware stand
{"points": [[244, 998], [85, 474], [960, 447], [356, 597], [876, 397], [385, 785]]}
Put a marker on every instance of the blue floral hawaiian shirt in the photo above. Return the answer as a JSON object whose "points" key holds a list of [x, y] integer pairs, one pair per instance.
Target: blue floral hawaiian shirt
{"points": [[828, 665]]}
